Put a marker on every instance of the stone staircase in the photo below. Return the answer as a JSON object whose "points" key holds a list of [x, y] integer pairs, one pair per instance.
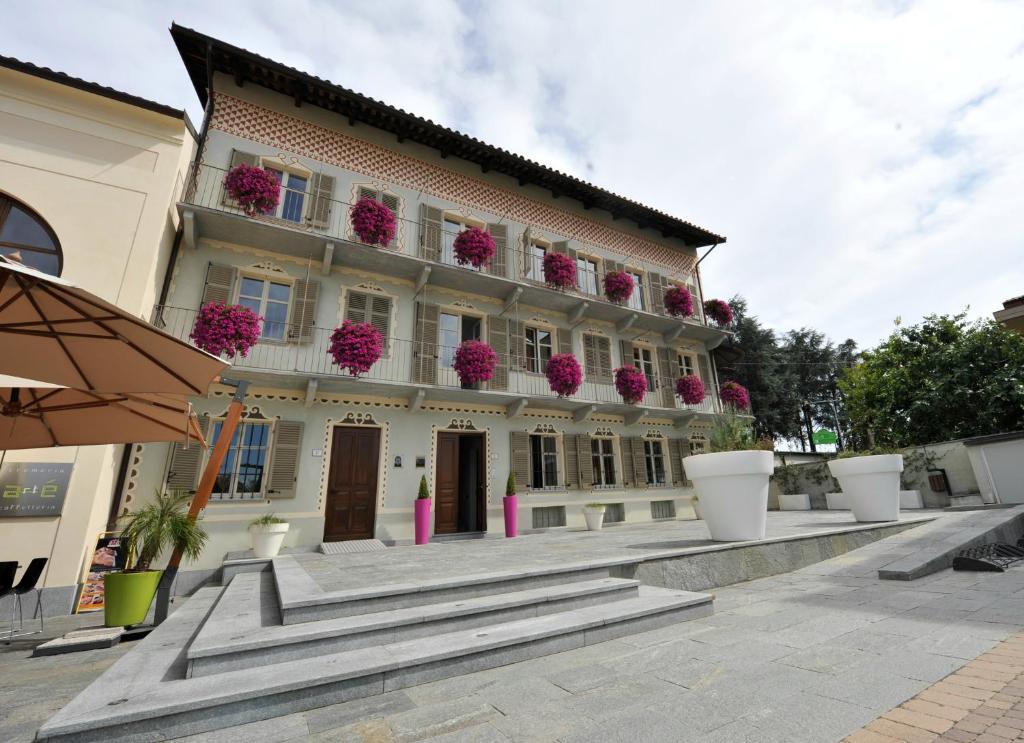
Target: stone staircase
{"points": [[272, 643]]}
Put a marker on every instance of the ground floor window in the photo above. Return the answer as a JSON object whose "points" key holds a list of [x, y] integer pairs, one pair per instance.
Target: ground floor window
{"points": [[602, 454], [614, 513], [548, 516], [544, 461], [663, 509], [241, 475], [654, 456]]}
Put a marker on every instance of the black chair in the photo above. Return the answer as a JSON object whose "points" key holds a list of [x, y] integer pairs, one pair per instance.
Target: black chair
{"points": [[28, 582], [7, 572]]}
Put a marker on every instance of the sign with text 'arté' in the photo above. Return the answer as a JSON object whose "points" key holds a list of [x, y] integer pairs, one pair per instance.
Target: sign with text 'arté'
{"points": [[33, 488]]}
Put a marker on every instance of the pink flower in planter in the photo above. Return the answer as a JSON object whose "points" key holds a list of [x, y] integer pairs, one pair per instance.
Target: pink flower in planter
{"points": [[618, 286], [679, 302], [256, 190], [356, 346], [719, 311], [735, 395], [222, 328], [474, 246], [559, 271], [372, 221], [690, 389], [564, 374], [631, 383], [474, 362]]}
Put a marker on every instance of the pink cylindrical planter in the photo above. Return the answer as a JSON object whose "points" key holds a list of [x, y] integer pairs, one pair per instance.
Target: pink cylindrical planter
{"points": [[422, 520], [511, 503]]}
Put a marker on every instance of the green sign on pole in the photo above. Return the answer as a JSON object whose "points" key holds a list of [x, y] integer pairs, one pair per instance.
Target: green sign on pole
{"points": [[824, 436]]}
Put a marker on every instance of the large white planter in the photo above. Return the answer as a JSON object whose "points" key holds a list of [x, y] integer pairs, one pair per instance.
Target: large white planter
{"points": [[267, 540], [794, 502], [911, 499], [836, 502], [733, 491], [594, 517], [871, 484], [696, 509]]}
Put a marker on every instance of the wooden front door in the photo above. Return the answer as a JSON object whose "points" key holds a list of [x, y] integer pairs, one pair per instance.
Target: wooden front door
{"points": [[352, 484], [446, 503]]}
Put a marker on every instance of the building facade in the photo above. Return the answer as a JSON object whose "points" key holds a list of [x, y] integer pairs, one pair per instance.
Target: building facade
{"points": [[341, 457], [87, 179]]}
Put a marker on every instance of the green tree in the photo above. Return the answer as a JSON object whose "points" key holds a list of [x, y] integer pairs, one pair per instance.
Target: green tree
{"points": [[945, 378]]}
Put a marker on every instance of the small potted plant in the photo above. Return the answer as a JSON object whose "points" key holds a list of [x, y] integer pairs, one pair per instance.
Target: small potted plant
{"points": [[474, 362], [631, 383], [559, 271], [255, 189], [871, 483], [267, 534], [690, 389], [356, 346], [474, 246], [594, 514], [510, 504], [422, 512], [719, 311], [787, 477], [564, 374], [618, 286], [226, 328], [156, 528], [372, 222], [679, 301]]}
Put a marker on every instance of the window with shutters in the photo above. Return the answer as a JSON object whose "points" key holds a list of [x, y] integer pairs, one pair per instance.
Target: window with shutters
{"points": [[454, 224], [544, 461], [294, 187], [602, 454], [533, 261], [270, 299], [643, 359], [242, 475], [372, 308], [587, 274], [636, 299], [654, 459], [452, 330], [698, 443], [538, 349], [597, 358], [389, 200]]}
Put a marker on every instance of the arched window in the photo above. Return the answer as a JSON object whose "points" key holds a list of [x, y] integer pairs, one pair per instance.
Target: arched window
{"points": [[27, 235]]}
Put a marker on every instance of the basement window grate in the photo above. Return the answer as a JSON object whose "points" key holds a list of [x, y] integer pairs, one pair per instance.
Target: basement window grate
{"points": [[547, 517], [614, 513], [663, 509]]}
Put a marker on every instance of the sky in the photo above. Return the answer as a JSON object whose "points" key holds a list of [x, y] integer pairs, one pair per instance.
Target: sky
{"points": [[865, 160]]}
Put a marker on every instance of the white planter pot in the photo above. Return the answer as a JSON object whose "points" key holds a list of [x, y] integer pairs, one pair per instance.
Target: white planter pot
{"points": [[871, 484], [794, 502], [696, 509], [594, 517], [267, 540], [836, 502], [733, 491], [911, 499]]}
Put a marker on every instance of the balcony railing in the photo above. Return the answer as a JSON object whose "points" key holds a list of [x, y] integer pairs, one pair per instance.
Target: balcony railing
{"points": [[307, 212], [407, 363]]}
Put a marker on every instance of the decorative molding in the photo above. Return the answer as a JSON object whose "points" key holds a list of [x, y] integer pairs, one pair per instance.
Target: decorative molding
{"points": [[367, 286], [603, 431], [544, 428], [461, 424], [356, 418], [270, 267], [654, 434]]}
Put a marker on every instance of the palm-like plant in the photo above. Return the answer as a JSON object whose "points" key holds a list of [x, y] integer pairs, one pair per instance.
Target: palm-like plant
{"points": [[158, 525]]}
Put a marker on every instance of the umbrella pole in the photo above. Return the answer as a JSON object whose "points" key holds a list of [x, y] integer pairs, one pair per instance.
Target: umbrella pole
{"points": [[203, 492]]}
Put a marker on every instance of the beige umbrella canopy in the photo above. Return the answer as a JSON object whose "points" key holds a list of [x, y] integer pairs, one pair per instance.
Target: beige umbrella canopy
{"points": [[56, 332], [33, 417]]}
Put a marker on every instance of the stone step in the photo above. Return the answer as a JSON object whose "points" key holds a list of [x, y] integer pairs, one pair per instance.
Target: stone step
{"points": [[244, 630], [303, 600], [143, 696]]}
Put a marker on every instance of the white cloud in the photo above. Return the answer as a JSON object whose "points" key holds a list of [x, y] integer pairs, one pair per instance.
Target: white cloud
{"points": [[863, 159]]}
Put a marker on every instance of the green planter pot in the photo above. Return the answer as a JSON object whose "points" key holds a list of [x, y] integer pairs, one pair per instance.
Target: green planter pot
{"points": [[127, 596]]}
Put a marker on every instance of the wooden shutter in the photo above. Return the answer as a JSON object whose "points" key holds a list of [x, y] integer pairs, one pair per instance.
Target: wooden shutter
{"points": [[667, 377], [698, 305], [657, 284], [431, 234], [626, 455], [636, 446], [610, 266], [590, 363], [564, 247], [284, 460], [626, 351], [586, 463], [183, 469], [424, 349], [305, 294], [500, 234], [355, 306], [220, 283], [571, 458], [237, 158], [517, 344], [675, 457], [705, 373], [564, 340], [525, 253], [392, 202], [597, 358], [321, 190], [519, 458], [497, 336], [380, 315]]}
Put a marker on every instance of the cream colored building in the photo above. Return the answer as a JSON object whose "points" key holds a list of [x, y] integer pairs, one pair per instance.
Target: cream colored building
{"points": [[87, 177]]}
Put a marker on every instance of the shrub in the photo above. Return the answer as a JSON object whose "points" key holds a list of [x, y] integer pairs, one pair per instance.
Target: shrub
{"points": [[267, 519], [372, 221], [719, 311], [734, 395], [226, 328], [159, 526], [510, 484], [730, 432], [256, 190], [679, 302], [474, 246], [690, 389], [475, 361], [631, 383], [559, 271], [564, 374], [424, 493], [356, 346], [618, 286]]}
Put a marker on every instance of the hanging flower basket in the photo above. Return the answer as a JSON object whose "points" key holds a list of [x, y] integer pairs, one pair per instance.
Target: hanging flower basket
{"points": [[474, 246], [559, 271], [372, 221], [618, 286], [631, 383], [690, 389], [474, 362], [256, 190], [226, 328], [564, 374], [356, 346], [719, 311], [679, 302], [735, 395]]}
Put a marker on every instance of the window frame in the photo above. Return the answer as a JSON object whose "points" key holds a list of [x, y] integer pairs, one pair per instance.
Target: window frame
{"points": [[536, 359], [233, 449], [267, 280], [277, 165], [652, 377], [378, 195], [530, 260], [555, 456], [600, 460], [57, 250], [636, 299], [651, 460], [687, 361], [464, 221], [596, 262]]}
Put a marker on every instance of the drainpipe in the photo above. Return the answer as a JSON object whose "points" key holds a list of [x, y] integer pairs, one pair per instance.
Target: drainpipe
{"points": [[700, 284]]}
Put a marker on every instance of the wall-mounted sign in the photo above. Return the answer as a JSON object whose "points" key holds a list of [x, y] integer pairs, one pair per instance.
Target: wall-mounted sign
{"points": [[33, 488]]}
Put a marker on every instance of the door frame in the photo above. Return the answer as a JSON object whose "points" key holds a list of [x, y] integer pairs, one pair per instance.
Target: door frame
{"points": [[461, 425], [354, 420], [484, 474]]}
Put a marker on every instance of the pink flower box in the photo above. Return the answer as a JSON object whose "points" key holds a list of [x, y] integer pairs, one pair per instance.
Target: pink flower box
{"points": [[475, 362], [719, 311], [226, 328], [356, 347], [559, 271], [690, 389], [735, 395], [256, 190], [631, 383], [373, 222], [474, 246], [618, 286], [564, 374], [679, 302]]}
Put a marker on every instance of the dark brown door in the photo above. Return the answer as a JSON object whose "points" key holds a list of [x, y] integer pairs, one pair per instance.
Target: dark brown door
{"points": [[446, 501], [352, 484]]}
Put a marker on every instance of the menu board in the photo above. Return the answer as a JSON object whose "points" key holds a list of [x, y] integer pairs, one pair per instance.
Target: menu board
{"points": [[108, 557]]}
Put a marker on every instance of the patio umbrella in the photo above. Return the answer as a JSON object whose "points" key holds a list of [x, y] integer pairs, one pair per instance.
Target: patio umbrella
{"points": [[39, 416], [56, 332]]}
